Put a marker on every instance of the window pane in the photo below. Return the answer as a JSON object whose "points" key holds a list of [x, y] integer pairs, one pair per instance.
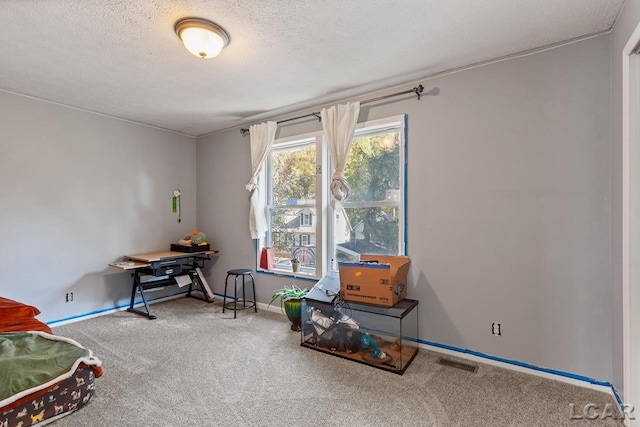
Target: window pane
{"points": [[293, 172], [367, 231], [372, 223], [373, 168], [292, 238]]}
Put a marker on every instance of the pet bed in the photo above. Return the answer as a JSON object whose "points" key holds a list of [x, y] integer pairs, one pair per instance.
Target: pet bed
{"points": [[43, 377]]}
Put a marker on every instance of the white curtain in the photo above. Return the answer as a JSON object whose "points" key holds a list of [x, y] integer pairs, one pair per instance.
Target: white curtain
{"points": [[339, 123], [262, 136]]}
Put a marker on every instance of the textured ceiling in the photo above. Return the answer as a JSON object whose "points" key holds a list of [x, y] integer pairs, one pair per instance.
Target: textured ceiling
{"points": [[122, 57]]}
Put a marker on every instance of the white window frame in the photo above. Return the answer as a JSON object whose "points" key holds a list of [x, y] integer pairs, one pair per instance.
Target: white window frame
{"points": [[323, 211]]}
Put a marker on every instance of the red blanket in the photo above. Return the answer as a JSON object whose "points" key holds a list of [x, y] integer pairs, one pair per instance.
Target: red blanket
{"points": [[18, 317]]}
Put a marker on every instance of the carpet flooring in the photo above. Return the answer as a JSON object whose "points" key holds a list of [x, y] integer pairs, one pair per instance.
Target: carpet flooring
{"points": [[195, 366]]}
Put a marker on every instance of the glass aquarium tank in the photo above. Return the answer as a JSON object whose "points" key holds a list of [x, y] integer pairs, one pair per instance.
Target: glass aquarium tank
{"points": [[383, 337]]}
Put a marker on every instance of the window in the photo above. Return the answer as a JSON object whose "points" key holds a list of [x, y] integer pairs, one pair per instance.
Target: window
{"points": [[302, 222]]}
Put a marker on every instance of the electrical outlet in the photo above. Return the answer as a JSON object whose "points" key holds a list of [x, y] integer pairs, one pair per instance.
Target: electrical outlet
{"points": [[495, 328], [69, 297]]}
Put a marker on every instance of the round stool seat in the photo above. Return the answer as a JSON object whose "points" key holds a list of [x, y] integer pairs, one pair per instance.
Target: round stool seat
{"points": [[239, 303], [240, 271]]}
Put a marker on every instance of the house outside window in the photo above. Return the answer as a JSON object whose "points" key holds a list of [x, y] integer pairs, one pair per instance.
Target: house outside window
{"points": [[301, 221]]}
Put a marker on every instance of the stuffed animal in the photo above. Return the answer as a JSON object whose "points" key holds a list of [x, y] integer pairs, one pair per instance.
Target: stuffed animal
{"points": [[196, 238]]}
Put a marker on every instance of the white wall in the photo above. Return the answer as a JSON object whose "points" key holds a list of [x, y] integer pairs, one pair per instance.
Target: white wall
{"points": [[78, 191], [508, 207]]}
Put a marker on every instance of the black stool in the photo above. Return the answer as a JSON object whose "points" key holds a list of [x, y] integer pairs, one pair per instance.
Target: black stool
{"points": [[245, 304]]}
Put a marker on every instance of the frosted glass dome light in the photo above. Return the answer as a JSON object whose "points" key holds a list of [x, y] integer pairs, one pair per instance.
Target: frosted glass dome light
{"points": [[202, 38]]}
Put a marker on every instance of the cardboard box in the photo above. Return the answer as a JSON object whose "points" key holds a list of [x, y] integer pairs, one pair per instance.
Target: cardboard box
{"points": [[376, 279]]}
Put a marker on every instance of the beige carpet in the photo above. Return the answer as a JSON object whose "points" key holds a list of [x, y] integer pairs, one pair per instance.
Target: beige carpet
{"points": [[194, 366]]}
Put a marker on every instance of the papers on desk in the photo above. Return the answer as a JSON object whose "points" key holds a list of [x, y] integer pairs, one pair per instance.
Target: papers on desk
{"points": [[183, 280]]}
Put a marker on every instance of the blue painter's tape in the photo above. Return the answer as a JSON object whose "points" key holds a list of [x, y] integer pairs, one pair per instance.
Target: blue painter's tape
{"points": [[406, 177], [518, 363], [91, 313], [365, 264], [528, 366], [615, 393], [287, 274]]}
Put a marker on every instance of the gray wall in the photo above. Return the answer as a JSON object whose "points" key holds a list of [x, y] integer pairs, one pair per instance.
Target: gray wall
{"points": [[626, 23], [509, 204], [78, 191], [508, 207]]}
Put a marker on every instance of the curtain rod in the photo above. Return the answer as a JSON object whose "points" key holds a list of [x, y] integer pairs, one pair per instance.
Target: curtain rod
{"points": [[417, 90]]}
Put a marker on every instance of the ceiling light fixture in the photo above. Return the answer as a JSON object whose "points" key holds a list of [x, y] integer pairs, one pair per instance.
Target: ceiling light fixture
{"points": [[201, 37]]}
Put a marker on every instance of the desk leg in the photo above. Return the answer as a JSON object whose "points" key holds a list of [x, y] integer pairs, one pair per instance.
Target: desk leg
{"points": [[195, 279], [138, 286]]}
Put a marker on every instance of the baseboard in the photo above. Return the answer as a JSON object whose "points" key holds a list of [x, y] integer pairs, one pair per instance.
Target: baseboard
{"points": [[272, 308], [514, 365], [85, 316]]}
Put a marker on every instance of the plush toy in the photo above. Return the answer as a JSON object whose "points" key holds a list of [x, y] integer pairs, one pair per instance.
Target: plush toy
{"points": [[367, 343], [196, 238]]}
